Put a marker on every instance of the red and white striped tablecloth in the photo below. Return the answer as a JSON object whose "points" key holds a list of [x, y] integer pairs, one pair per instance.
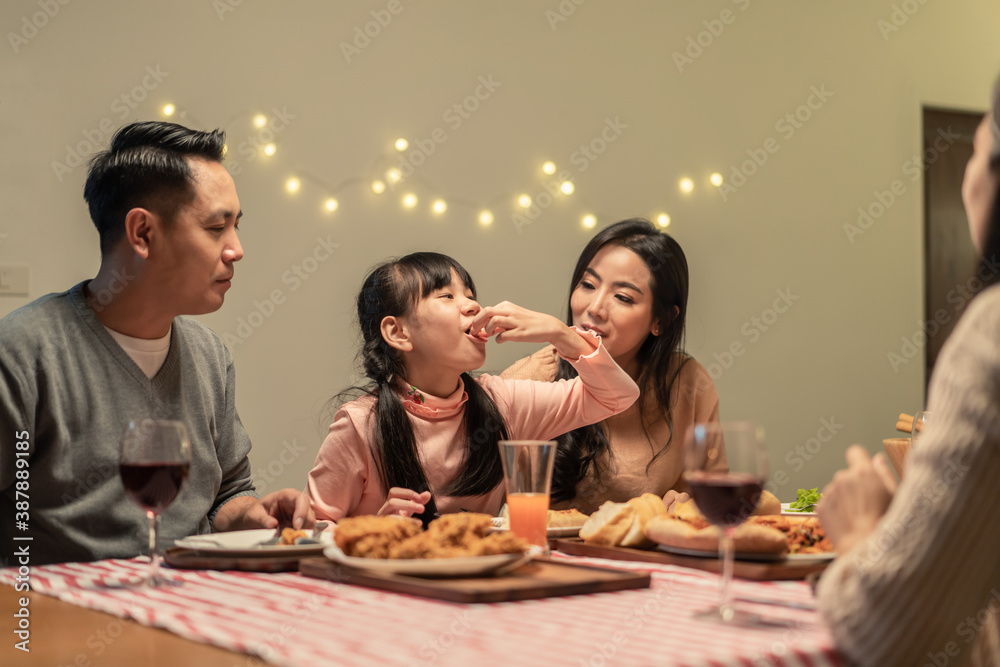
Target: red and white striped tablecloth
{"points": [[288, 619]]}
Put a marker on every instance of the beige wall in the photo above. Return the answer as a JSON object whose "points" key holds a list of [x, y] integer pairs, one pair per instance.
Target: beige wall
{"points": [[782, 230]]}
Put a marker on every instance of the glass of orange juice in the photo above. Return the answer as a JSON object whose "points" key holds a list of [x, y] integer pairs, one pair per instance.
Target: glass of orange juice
{"points": [[527, 471]]}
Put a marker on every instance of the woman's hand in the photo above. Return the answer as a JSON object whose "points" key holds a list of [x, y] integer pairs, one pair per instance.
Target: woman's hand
{"points": [[854, 502], [674, 498], [404, 502], [510, 322]]}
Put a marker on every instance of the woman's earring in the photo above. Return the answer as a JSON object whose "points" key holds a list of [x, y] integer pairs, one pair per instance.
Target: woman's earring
{"points": [[656, 331]]}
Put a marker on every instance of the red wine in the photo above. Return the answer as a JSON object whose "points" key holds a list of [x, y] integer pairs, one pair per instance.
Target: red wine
{"points": [[726, 499], [153, 486]]}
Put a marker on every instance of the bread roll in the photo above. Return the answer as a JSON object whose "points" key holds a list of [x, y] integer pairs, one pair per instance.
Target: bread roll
{"points": [[748, 538], [767, 504], [647, 506], [609, 524]]}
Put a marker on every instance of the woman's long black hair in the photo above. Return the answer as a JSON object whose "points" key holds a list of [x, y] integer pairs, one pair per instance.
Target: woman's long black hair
{"points": [[580, 449], [393, 289]]}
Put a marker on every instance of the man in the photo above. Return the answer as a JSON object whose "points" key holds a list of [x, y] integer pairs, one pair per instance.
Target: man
{"points": [[76, 367]]}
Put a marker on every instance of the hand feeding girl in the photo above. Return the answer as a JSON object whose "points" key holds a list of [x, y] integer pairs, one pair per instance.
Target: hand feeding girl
{"points": [[424, 437]]}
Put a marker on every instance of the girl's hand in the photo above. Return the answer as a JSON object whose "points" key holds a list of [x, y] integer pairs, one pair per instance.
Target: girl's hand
{"points": [[404, 502], [510, 322], [854, 502]]}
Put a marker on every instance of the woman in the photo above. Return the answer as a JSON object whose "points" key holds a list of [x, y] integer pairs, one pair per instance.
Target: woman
{"points": [[630, 287], [918, 577]]}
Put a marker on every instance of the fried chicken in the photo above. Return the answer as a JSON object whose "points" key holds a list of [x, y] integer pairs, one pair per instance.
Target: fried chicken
{"points": [[373, 536], [450, 536]]}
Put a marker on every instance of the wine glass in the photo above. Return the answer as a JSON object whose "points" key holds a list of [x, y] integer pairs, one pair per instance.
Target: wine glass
{"points": [[156, 459], [920, 422], [725, 465]]}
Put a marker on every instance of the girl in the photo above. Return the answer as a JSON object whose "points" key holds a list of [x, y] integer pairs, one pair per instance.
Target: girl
{"points": [[424, 438], [630, 287]]}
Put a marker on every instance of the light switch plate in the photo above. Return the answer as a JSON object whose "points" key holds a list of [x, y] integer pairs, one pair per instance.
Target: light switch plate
{"points": [[14, 280]]}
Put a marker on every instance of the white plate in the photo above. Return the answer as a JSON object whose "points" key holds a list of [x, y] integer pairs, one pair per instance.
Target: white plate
{"points": [[785, 510], [500, 524], [430, 567], [242, 543], [808, 558]]}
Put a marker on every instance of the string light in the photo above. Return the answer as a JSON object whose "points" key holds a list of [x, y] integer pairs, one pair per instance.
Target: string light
{"points": [[394, 175], [716, 179], [169, 109]]}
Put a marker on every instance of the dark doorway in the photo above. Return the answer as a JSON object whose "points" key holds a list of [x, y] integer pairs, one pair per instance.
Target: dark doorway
{"points": [[949, 256]]}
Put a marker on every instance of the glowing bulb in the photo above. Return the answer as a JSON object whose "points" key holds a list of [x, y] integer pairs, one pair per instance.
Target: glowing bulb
{"points": [[225, 149], [549, 167], [393, 175], [524, 201], [331, 205], [260, 120], [169, 109], [293, 184], [663, 220], [567, 187], [402, 144], [687, 185], [589, 221], [270, 150], [439, 206], [716, 179], [378, 187], [409, 200], [486, 217]]}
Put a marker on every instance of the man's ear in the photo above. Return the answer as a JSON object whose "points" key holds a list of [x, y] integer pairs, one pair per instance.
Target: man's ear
{"points": [[139, 224], [396, 332]]}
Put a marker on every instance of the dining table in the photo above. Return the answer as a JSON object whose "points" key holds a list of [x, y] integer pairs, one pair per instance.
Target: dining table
{"points": [[76, 616]]}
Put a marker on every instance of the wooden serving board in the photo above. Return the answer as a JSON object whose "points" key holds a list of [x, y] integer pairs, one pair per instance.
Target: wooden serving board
{"points": [[759, 571], [541, 578], [190, 559]]}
